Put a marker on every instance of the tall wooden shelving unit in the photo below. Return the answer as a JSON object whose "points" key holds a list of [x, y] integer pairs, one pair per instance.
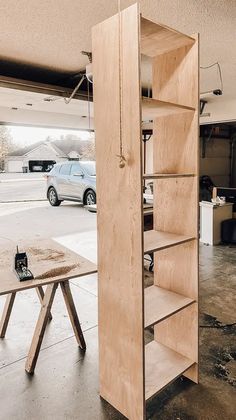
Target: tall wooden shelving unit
{"points": [[130, 372]]}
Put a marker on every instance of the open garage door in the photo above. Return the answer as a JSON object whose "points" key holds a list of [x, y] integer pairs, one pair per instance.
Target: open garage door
{"points": [[41, 165]]}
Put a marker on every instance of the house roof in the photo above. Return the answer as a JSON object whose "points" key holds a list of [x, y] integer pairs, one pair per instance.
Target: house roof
{"points": [[24, 150], [62, 147]]}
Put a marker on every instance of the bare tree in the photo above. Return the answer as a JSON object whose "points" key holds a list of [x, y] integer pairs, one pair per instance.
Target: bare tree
{"points": [[88, 151], [5, 144]]}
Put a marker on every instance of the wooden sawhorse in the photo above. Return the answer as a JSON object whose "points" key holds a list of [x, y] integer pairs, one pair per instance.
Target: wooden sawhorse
{"points": [[9, 285]]}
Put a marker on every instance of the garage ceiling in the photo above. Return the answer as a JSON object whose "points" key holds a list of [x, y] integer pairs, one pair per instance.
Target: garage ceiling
{"points": [[42, 40], [50, 34]]}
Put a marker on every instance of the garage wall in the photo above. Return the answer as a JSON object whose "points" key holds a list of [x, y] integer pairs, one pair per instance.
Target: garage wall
{"points": [[216, 162], [220, 110]]}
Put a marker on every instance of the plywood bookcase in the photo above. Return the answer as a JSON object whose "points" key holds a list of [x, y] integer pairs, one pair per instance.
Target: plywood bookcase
{"points": [[130, 371]]}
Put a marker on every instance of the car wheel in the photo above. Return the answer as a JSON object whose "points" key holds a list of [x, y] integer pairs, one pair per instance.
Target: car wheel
{"points": [[90, 198], [52, 197]]}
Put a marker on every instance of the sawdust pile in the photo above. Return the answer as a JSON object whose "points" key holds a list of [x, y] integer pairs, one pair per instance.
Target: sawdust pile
{"points": [[47, 254], [56, 272]]}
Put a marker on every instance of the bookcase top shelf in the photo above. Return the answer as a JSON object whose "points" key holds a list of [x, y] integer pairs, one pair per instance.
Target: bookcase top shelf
{"points": [[161, 176], [158, 39], [152, 108], [162, 366], [155, 240], [160, 303]]}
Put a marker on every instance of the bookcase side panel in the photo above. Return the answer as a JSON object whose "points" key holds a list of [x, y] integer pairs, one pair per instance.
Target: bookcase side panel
{"points": [[178, 269], [180, 333], [116, 71], [176, 79], [175, 140], [175, 76], [176, 205]]}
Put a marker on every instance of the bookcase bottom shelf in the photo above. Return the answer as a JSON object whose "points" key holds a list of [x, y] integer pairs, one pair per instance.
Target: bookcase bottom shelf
{"points": [[162, 366]]}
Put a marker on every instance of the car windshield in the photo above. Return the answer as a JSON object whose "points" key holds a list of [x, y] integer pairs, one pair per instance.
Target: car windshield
{"points": [[89, 167]]}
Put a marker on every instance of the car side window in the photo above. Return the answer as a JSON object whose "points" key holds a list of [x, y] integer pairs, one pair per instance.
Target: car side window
{"points": [[55, 170], [76, 169], [65, 169]]}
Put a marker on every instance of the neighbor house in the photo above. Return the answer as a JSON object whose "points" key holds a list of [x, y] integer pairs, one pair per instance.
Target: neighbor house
{"points": [[42, 156]]}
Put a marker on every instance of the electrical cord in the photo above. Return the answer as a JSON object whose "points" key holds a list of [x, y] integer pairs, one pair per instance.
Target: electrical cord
{"points": [[219, 71]]}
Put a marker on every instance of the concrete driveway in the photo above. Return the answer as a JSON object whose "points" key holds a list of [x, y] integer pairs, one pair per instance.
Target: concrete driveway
{"points": [[25, 213], [37, 220], [72, 225]]}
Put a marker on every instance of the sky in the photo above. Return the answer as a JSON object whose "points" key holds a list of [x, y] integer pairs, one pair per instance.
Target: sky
{"points": [[24, 136]]}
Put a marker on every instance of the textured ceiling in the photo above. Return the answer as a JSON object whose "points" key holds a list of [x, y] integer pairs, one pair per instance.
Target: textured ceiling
{"points": [[51, 33]]}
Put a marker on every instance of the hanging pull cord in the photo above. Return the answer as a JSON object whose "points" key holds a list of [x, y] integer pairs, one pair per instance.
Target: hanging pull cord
{"points": [[122, 160]]}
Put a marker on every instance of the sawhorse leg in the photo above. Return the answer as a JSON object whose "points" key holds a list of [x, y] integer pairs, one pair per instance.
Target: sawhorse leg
{"points": [[40, 327], [40, 293], [8, 309], [74, 319], [43, 318], [6, 313]]}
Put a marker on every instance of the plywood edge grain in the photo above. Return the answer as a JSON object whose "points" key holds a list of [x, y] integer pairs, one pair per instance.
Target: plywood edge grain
{"points": [[166, 176]]}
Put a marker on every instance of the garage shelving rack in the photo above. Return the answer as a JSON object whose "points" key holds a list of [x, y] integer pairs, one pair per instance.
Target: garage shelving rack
{"points": [[131, 372]]}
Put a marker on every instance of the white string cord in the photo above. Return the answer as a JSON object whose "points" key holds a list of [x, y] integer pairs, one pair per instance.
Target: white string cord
{"points": [[89, 114], [121, 155]]}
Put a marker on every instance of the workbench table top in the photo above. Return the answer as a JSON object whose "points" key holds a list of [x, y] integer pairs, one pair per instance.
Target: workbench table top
{"points": [[49, 262]]}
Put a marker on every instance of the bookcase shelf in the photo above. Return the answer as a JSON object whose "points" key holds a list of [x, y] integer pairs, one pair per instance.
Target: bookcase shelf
{"points": [[153, 108], [160, 303], [162, 366], [162, 176], [130, 372], [155, 240], [159, 39]]}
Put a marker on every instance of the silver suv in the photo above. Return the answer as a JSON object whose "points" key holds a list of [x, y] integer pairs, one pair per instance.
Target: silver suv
{"points": [[72, 180]]}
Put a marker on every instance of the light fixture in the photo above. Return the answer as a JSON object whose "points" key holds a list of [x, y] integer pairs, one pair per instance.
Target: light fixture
{"points": [[216, 92]]}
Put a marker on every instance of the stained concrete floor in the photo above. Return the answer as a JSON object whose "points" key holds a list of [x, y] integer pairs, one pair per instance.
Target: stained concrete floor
{"points": [[65, 384]]}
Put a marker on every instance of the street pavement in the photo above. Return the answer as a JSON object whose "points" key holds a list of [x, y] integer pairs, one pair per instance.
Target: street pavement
{"points": [[6, 176], [22, 187]]}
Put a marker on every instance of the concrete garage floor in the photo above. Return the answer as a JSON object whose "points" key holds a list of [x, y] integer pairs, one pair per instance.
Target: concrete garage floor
{"points": [[65, 384]]}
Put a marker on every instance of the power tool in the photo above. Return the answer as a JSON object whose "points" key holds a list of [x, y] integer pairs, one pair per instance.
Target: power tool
{"points": [[21, 266]]}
